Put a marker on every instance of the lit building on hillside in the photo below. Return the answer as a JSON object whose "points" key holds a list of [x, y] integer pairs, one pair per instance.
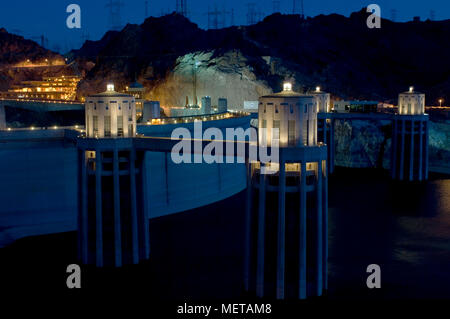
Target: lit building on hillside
{"points": [[50, 88]]}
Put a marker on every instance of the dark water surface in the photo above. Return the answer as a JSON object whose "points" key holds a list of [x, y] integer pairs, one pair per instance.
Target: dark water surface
{"points": [[404, 228]]}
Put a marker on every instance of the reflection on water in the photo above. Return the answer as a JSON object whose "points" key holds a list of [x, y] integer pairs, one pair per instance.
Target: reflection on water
{"points": [[405, 228]]}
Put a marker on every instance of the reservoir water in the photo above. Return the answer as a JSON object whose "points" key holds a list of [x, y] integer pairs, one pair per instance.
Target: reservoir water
{"points": [[404, 228]]}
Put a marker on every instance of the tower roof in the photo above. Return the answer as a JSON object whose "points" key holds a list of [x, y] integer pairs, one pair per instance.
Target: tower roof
{"points": [[110, 93], [284, 94], [287, 92]]}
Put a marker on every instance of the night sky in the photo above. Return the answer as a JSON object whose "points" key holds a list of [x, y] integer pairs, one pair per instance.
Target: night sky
{"points": [[32, 18]]}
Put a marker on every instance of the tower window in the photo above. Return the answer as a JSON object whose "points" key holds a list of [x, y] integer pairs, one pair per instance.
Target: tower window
{"points": [[119, 125], [291, 132], [107, 126], [95, 124], [276, 130], [130, 130]]}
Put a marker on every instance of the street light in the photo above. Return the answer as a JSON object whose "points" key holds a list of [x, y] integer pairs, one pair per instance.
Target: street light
{"points": [[440, 102]]}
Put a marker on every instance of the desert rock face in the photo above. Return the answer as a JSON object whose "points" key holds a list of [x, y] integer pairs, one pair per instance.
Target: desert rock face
{"points": [[368, 144], [228, 75], [363, 143]]}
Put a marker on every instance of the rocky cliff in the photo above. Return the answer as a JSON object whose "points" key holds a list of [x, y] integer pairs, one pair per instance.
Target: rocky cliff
{"points": [[368, 144]]}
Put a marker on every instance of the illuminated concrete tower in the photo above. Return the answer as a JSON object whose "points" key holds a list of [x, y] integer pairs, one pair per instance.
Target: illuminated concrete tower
{"points": [[325, 124], [283, 258], [112, 219], [110, 114], [410, 138]]}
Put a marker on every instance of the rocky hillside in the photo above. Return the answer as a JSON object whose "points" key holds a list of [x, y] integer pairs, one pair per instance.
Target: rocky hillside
{"points": [[15, 50], [339, 53]]}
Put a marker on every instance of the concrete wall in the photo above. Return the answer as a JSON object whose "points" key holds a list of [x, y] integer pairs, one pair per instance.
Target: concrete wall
{"points": [[38, 184]]}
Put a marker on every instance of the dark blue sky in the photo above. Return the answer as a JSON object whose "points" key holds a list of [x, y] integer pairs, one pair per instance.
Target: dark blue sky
{"points": [[36, 17]]}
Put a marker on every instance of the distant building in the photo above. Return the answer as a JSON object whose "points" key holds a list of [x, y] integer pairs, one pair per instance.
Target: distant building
{"points": [[152, 110], [206, 105], [110, 114], [137, 90], [49, 88], [355, 106], [222, 105]]}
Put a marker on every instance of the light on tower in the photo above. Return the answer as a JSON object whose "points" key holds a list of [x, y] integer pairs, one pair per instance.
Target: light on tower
{"points": [[317, 88], [287, 86], [411, 89], [110, 87]]}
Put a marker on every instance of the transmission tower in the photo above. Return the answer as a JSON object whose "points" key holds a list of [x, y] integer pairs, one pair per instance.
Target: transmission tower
{"points": [[213, 17], [297, 7], [217, 18], [146, 9], [114, 7], [393, 15], [432, 15], [84, 38], [43, 40], [276, 6], [251, 13], [232, 17], [181, 7]]}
